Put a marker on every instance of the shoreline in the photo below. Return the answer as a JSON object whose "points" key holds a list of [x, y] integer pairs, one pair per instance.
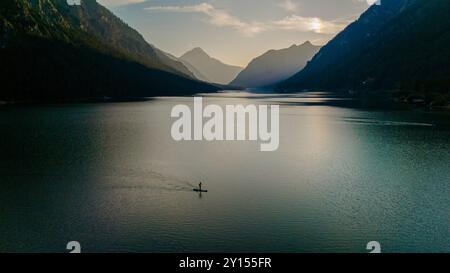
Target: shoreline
{"points": [[370, 100]]}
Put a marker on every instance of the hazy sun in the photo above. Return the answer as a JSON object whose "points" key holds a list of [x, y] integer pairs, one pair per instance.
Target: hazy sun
{"points": [[315, 24]]}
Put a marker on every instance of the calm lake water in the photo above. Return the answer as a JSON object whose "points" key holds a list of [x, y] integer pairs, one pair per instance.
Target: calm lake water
{"points": [[111, 177]]}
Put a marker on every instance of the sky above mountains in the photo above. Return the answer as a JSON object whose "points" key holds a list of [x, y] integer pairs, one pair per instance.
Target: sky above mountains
{"points": [[236, 31]]}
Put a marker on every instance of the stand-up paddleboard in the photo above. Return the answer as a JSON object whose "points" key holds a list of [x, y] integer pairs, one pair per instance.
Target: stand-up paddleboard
{"points": [[198, 190]]}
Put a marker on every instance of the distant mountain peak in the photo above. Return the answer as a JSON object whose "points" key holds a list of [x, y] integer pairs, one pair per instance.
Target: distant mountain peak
{"points": [[197, 51], [305, 44], [208, 67], [276, 65]]}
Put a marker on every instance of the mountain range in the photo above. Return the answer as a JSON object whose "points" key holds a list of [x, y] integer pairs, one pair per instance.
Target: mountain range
{"points": [[400, 45], [209, 69], [276, 65], [51, 50]]}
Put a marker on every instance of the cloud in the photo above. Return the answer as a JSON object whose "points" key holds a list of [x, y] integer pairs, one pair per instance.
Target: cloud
{"points": [[216, 17], [116, 3], [222, 18], [309, 24], [289, 5], [202, 8]]}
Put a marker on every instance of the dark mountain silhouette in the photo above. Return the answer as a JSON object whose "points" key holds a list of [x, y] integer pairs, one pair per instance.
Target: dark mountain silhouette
{"points": [[101, 23], [208, 68], [276, 65], [399, 45], [52, 51]]}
